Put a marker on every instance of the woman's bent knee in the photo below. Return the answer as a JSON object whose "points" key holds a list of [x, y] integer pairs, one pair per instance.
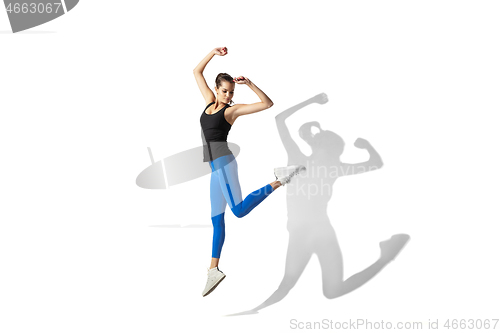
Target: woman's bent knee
{"points": [[238, 212]]}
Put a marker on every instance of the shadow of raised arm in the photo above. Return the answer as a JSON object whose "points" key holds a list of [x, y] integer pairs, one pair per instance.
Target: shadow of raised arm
{"points": [[373, 163]]}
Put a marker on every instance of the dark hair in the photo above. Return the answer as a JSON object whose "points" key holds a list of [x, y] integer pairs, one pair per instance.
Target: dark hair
{"points": [[223, 77]]}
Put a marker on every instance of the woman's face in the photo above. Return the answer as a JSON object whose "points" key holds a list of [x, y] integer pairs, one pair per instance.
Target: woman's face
{"points": [[225, 92]]}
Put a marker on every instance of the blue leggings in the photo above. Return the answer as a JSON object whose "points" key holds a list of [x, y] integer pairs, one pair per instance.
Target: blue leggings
{"points": [[225, 189]]}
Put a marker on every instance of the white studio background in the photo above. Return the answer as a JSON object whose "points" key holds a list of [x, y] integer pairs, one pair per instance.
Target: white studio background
{"points": [[84, 249]]}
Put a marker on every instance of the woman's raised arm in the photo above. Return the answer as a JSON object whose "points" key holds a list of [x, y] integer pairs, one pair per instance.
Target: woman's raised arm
{"points": [[207, 93], [243, 109]]}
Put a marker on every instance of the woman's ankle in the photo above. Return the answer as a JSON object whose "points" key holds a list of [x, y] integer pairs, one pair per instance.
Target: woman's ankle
{"points": [[275, 184]]}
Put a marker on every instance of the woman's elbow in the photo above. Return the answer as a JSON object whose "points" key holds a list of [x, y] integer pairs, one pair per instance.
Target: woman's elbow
{"points": [[269, 104]]}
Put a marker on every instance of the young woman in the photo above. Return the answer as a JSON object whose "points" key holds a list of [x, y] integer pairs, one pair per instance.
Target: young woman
{"points": [[216, 121]]}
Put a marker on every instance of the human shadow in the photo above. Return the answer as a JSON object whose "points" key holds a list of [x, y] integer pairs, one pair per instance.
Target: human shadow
{"points": [[307, 199]]}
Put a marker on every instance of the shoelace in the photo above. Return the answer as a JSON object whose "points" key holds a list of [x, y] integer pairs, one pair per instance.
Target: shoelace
{"points": [[296, 172]]}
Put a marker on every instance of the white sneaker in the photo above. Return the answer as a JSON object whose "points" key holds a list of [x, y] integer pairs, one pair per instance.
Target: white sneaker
{"points": [[285, 174], [214, 278]]}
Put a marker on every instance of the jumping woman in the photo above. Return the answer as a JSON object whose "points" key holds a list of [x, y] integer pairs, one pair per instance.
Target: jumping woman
{"points": [[216, 121]]}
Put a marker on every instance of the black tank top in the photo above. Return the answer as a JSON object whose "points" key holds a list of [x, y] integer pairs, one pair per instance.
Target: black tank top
{"points": [[214, 131]]}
